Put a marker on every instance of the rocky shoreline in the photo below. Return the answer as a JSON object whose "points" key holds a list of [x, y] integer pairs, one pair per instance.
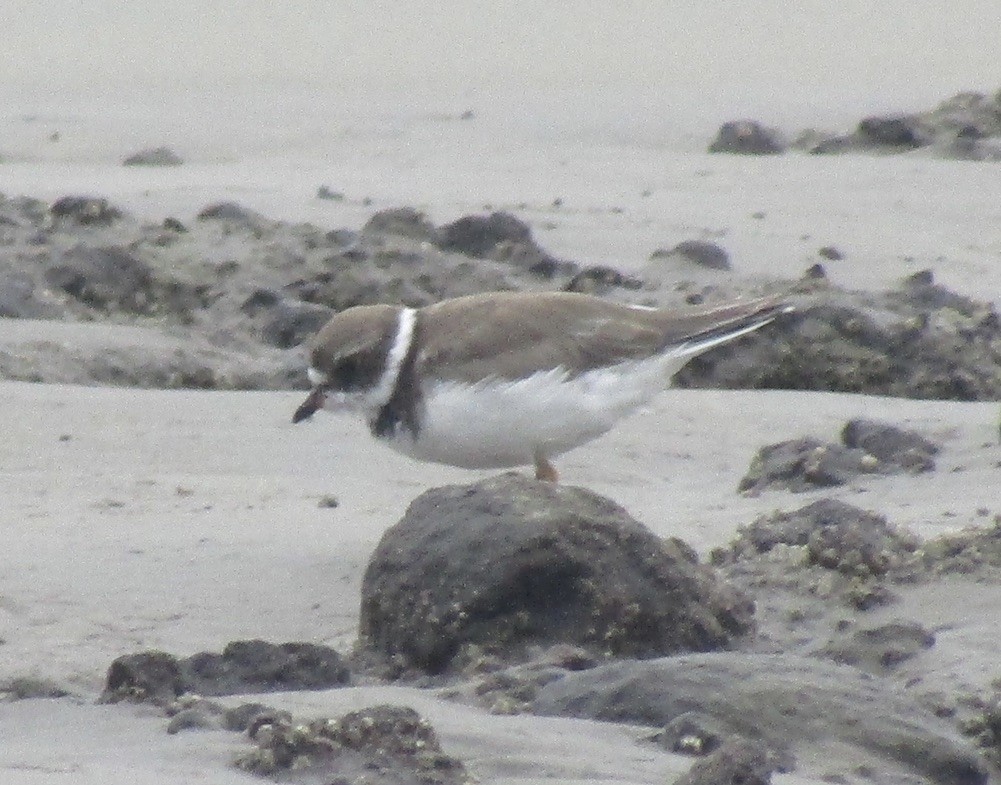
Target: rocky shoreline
{"points": [[230, 297], [772, 656]]}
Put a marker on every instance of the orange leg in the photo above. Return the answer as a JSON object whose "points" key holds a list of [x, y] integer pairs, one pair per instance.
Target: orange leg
{"points": [[544, 470]]}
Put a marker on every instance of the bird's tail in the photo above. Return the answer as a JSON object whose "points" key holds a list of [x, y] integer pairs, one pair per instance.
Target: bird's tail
{"points": [[728, 323]]}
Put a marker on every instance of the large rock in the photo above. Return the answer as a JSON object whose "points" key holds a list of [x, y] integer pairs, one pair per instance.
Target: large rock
{"points": [[833, 719], [508, 563]]}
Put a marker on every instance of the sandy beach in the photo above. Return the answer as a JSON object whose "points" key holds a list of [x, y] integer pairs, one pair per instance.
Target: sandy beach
{"points": [[182, 519]]}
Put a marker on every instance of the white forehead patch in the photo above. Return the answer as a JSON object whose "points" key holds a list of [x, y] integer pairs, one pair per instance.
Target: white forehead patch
{"points": [[316, 377]]}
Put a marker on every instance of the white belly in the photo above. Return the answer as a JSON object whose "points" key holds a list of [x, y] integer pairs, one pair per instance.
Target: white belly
{"points": [[502, 423]]}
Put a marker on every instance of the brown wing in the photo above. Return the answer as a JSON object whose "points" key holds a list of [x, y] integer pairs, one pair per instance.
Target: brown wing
{"points": [[511, 335]]}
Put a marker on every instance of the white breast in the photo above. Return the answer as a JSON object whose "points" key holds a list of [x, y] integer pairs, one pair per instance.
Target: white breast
{"points": [[498, 423]]}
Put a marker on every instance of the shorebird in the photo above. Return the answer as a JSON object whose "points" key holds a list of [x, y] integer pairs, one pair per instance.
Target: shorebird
{"points": [[509, 379]]}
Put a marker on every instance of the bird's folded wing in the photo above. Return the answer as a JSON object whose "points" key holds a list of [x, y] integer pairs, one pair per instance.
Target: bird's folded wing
{"points": [[513, 337]]}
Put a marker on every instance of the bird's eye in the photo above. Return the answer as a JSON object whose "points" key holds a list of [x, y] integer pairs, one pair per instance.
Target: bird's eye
{"points": [[347, 373]]}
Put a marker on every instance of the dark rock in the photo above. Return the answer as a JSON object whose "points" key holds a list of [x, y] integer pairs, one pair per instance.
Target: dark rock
{"points": [[738, 762], [837, 536], [909, 343], [237, 215], [149, 676], [896, 131], [479, 235], [879, 649], [891, 445], [509, 563], [746, 137], [530, 257], [599, 279], [794, 705], [921, 278], [325, 192], [85, 210], [806, 464], [700, 252], [344, 239], [174, 225], [546, 267], [502, 237], [240, 718], [402, 222], [243, 666], [104, 278], [830, 252], [157, 156], [258, 666], [382, 745], [291, 322]]}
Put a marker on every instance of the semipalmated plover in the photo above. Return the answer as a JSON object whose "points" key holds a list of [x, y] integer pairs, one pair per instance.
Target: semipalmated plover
{"points": [[509, 379]]}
